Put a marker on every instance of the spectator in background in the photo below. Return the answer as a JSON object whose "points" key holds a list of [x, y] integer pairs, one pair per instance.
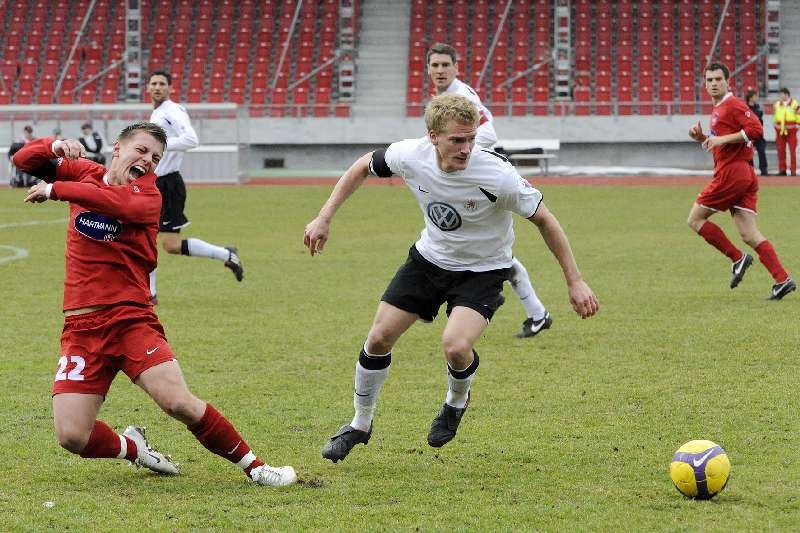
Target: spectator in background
{"points": [[93, 143], [27, 134], [759, 144], [18, 177], [785, 120]]}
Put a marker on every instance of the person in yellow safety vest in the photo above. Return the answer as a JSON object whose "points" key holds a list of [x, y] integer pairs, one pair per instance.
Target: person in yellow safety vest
{"points": [[786, 119]]}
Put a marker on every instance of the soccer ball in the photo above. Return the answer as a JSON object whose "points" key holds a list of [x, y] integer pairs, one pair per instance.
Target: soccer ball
{"points": [[700, 469]]}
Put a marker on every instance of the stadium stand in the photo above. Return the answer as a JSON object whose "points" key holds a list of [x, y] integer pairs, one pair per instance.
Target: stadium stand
{"points": [[628, 57], [217, 51]]}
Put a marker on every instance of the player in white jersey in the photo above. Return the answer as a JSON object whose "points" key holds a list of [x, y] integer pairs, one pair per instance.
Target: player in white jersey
{"points": [[463, 256], [442, 61], [174, 119]]}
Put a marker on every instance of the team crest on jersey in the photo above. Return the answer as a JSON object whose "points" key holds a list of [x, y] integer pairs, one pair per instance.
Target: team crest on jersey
{"points": [[714, 118], [472, 205], [98, 227], [444, 216]]}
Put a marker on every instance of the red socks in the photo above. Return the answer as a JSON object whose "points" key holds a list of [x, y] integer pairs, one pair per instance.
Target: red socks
{"points": [[218, 435], [104, 443], [769, 257], [214, 431], [714, 236]]}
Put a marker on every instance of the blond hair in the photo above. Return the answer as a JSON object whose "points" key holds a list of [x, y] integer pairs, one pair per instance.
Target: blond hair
{"points": [[447, 107]]}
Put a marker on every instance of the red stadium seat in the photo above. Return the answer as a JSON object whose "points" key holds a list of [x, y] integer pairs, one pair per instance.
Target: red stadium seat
{"points": [[541, 100], [582, 95], [519, 101], [499, 105]]}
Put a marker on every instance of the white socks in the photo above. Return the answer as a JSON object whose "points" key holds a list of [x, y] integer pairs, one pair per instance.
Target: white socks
{"points": [[371, 372], [199, 248], [459, 383], [521, 283]]}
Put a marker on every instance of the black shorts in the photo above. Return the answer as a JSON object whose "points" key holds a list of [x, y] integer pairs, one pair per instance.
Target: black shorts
{"points": [[173, 200], [420, 287]]}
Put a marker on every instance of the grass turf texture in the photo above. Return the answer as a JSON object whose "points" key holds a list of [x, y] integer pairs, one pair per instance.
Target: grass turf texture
{"points": [[574, 429]]}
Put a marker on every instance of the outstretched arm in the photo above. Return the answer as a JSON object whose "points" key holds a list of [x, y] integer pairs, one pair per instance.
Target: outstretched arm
{"points": [[316, 232], [583, 300], [38, 157]]}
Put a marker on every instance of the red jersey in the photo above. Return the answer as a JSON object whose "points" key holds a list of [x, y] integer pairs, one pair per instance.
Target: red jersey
{"points": [[732, 115], [111, 238]]}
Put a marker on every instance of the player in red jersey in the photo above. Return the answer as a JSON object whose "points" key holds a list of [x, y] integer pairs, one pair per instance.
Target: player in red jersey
{"points": [[109, 322], [735, 184]]}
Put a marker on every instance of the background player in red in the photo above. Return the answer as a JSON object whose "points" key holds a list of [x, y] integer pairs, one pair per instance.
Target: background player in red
{"points": [[109, 322], [735, 184]]}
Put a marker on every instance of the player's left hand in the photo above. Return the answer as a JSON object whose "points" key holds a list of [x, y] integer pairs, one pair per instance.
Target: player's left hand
{"points": [[37, 193], [583, 300], [711, 142]]}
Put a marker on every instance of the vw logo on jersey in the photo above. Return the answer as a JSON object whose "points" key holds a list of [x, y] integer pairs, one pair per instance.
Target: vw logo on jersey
{"points": [[444, 216], [98, 227]]}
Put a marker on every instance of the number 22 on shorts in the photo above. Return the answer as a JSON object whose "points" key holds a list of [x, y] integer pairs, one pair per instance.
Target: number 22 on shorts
{"points": [[75, 373]]}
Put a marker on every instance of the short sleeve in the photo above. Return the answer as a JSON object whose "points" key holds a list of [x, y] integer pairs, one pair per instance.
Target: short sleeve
{"points": [[388, 161], [519, 196]]}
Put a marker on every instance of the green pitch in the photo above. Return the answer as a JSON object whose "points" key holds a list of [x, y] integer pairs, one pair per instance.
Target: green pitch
{"points": [[573, 430]]}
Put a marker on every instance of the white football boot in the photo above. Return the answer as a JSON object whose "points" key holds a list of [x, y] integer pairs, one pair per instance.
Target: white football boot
{"points": [[273, 476], [147, 456]]}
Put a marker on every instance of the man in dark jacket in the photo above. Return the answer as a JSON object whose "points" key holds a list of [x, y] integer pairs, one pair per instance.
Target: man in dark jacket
{"points": [[93, 143]]}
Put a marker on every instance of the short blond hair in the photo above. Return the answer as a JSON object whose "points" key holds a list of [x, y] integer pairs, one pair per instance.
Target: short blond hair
{"points": [[446, 107]]}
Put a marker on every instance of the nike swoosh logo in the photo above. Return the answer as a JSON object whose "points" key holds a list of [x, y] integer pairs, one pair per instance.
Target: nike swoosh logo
{"points": [[492, 198], [234, 448], [361, 395], [157, 458], [421, 189], [150, 352], [698, 462]]}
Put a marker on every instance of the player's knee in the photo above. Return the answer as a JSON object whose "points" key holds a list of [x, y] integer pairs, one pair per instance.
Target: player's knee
{"points": [[171, 247], [458, 352], [71, 439], [379, 341], [184, 407], [695, 224], [753, 239]]}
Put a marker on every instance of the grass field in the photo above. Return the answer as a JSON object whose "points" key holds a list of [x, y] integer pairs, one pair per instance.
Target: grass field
{"points": [[573, 430]]}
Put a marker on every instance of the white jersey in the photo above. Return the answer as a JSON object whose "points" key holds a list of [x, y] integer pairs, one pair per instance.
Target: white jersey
{"points": [[468, 222], [486, 136], [180, 135]]}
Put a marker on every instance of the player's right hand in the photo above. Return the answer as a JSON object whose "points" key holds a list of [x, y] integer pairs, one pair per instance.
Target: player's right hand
{"points": [[316, 235], [37, 193], [69, 149]]}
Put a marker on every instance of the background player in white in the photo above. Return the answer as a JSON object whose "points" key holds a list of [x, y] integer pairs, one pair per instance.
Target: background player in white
{"points": [[463, 257], [180, 138], [442, 61]]}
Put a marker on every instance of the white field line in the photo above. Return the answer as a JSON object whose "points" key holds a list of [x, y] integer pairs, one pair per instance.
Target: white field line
{"points": [[19, 253], [22, 253], [32, 223]]}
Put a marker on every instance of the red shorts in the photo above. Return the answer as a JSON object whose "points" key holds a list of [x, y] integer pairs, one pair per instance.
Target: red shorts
{"points": [[734, 186], [96, 345]]}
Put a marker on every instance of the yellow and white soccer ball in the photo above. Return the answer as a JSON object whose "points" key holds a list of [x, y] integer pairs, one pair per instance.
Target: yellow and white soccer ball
{"points": [[700, 469]]}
